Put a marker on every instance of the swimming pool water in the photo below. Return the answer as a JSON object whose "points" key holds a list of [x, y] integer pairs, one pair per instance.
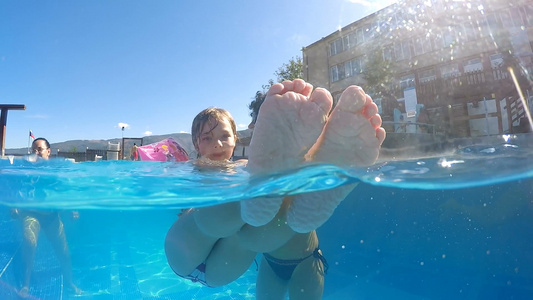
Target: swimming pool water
{"points": [[456, 226]]}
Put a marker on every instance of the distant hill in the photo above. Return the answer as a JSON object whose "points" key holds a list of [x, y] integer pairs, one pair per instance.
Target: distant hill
{"points": [[184, 139]]}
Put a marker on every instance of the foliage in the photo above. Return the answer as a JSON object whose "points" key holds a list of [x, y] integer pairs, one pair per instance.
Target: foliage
{"points": [[380, 79], [289, 71], [379, 76]]}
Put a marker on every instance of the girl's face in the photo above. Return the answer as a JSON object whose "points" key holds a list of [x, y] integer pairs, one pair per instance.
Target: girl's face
{"points": [[216, 141]]}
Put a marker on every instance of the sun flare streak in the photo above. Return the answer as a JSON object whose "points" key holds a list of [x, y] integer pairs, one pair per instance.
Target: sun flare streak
{"points": [[522, 98]]}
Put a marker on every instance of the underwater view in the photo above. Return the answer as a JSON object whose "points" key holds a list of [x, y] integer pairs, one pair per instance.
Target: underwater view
{"points": [[148, 155]]}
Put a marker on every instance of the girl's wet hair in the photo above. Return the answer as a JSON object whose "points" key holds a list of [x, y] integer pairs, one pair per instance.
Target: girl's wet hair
{"points": [[214, 114]]}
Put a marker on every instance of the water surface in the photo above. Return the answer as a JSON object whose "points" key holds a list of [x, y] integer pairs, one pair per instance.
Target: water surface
{"points": [[451, 226]]}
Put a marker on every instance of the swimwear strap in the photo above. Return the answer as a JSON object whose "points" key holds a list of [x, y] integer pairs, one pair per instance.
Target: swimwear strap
{"points": [[321, 257], [286, 262], [292, 262]]}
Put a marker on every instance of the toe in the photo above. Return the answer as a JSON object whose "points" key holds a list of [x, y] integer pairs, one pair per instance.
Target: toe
{"points": [[370, 108], [302, 87], [375, 120], [298, 85], [323, 99], [289, 85], [353, 99], [307, 90], [380, 134], [275, 89]]}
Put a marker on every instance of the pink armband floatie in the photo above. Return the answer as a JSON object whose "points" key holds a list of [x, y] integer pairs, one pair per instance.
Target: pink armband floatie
{"points": [[165, 150]]}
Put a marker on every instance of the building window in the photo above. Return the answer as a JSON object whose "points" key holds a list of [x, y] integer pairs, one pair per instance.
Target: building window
{"points": [[352, 37], [421, 45], [398, 20], [512, 18], [338, 72], [450, 70], [449, 35], [496, 60], [438, 40], [342, 73], [356, 65], [427, 75], [473, 65], [334, 74], [368, 31], [388, 53], [346, 42], [375, 29], [347, 69], [401, 50], [470, 31], [418, 47], [335, 47], [483, 27], [427, 44], [359, 35], [506, 19], [384, 27], [492, 21]]}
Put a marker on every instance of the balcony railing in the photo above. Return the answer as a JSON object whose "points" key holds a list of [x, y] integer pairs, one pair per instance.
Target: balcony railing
{"points": [[409, 127], [461, 88]]}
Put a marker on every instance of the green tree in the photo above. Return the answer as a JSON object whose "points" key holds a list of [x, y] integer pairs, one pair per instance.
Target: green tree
{"points": [[380, 79], [289, 71]]}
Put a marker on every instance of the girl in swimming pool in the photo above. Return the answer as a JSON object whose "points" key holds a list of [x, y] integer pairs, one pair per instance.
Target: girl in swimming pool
{"points": [[201, 245]]}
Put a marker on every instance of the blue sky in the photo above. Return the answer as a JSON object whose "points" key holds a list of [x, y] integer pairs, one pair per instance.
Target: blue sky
{"points": [[83, 67]]}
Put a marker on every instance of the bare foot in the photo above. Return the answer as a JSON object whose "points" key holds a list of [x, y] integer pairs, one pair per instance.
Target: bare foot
{"points": [[289, 122], [352, 136]]}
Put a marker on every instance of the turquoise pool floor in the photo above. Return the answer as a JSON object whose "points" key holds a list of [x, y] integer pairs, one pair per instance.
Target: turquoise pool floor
{"points": [[104, 271], [129, 268]]}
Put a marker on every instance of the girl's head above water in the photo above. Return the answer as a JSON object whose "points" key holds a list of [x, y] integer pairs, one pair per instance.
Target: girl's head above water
{"points": [[214, 134]]}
